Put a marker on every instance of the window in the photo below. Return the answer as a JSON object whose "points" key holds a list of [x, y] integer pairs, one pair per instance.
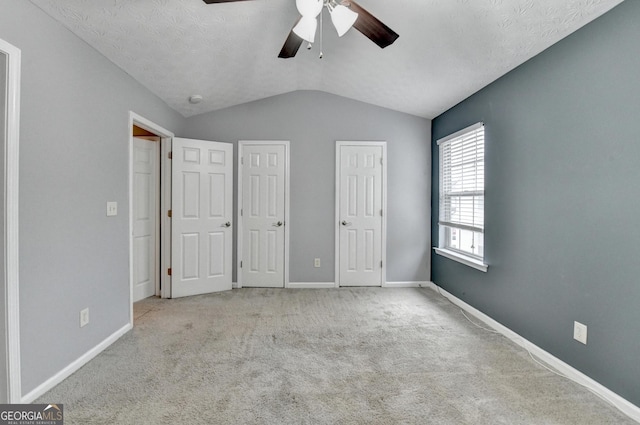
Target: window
{"points": [[461, 221]]}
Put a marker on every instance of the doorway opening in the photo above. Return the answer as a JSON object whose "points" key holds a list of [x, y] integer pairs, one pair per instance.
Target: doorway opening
{"points": [[149, 196], [145, 213]]}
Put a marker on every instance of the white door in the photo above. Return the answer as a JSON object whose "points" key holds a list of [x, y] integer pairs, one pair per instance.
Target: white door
{"points": [[360, 181], [145, 217], [202, 196], [263, 213]]}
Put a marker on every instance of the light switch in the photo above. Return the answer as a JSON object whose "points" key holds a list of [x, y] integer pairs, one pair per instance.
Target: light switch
{"points": [[112, 209]]}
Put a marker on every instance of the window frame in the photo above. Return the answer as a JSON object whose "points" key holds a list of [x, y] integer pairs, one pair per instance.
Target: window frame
{"points": [[444, 228]]}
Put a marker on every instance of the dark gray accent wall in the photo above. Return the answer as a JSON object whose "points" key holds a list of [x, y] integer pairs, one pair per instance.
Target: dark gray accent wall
{"points": [[3, 292], [562, 204], [73, 159], [313, 121]]}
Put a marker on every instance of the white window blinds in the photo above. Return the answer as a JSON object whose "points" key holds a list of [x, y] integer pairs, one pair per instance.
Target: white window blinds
{"points": [[462, 179]]}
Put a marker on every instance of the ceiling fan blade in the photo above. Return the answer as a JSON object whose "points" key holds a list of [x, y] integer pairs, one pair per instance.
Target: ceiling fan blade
{"points": [[220, 1], [370, 26], [291, 44]]}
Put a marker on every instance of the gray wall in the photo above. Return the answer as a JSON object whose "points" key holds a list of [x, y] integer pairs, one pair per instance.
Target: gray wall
{"points": [[312, 121], [73, 159], [562, 204], [3, 312]]}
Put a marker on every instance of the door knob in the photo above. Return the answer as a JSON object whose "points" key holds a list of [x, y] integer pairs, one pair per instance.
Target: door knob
{"points": [[346, 223], [227, 224], [278, 224]]}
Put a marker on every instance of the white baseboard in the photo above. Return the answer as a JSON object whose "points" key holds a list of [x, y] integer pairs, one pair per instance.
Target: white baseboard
{"points": [[411, 284], [324, 285], [311, 285], [430, 285], [570, 372], [77, 364], [234, 285]]}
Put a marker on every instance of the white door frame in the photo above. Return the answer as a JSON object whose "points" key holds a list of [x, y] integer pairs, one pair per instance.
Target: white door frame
{"points": [[241, 144], [166, 138], [339, 144], [11, 264]]}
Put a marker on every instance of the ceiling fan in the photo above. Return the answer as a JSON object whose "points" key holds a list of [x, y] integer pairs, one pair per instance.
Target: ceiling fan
{"points": [[344, 15]]}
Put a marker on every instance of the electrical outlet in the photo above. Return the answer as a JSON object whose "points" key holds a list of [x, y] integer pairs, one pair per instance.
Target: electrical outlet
{"points": [[112, 209], [316, 262], [580, 332], [84, 317]]}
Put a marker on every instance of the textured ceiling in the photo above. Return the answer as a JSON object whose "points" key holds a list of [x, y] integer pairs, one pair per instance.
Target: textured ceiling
{"points": [[447, 50]]}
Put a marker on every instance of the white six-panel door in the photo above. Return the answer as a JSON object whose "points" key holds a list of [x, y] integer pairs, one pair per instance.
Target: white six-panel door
{"points": [[263, 214], [202, 197], [360, 208], [145, 217]]}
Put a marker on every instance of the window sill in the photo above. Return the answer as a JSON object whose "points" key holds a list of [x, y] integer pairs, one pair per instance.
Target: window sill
{"points": [[468, 261]]}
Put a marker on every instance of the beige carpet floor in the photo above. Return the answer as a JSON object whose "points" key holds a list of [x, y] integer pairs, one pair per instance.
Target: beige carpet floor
{"points": [[328, 356]]}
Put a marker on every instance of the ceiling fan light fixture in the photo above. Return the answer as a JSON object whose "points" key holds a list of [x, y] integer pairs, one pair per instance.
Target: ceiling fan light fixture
{"points": [[306, 28], [309, 8], [342, 17]]}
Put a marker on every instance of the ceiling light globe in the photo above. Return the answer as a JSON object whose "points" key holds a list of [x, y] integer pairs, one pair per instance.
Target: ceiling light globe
{"points": [[343, 18], [309, 8], [306, 28]]}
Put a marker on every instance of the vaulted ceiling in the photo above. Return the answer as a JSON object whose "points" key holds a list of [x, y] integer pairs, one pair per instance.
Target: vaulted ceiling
{"points": [[228, 52]]}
